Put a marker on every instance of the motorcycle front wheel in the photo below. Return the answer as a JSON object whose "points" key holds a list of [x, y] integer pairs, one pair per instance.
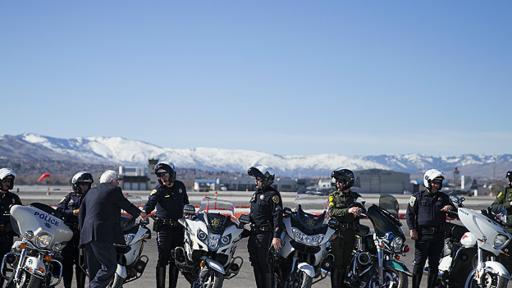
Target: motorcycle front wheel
{"points": [[209, 278], [392, 278], [27, 281], [489, 280], [306, 280]]}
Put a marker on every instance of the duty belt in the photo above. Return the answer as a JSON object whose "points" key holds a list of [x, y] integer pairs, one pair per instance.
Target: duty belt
{"points": [[169, 222], [262, 228], [346, 226], [429, 229]]}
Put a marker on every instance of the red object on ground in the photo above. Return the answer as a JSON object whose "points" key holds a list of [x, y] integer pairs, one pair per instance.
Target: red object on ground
{"points": [[43, 176]]}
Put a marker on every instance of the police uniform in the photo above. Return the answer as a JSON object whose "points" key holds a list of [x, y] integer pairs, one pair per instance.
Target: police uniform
{"points": [[504, 201], [425, 216], [169, 203], [266, 223], [342, 246], [7, 200], [71, 253]]}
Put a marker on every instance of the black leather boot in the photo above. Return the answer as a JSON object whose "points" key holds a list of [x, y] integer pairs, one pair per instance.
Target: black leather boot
{"points": [[173, 275], [160, 276]]}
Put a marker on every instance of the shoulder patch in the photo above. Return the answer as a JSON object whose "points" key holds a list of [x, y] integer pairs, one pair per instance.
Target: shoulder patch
{"points": [[412, 201], [275, 199], [153, 192]]}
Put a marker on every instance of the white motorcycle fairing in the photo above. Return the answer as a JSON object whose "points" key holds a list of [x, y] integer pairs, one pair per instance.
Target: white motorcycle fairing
{"points": [[306, 268], [486, 231], [30, 218]]}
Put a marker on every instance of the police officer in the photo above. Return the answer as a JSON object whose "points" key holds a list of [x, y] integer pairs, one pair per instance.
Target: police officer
{"points": [[503, 201], [7, 199], [345, 206], [69, 206], [169, 198], [266, 224], [426, 215]]}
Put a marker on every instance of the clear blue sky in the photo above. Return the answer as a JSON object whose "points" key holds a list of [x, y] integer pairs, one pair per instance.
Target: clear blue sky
{"points": [[287, 77]]}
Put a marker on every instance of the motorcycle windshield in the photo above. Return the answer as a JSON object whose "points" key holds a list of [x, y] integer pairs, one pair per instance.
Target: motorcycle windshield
{"points": [[216, 213], [308, 223], [389, 203], [40, 220], [384, 222], [215, 205]]}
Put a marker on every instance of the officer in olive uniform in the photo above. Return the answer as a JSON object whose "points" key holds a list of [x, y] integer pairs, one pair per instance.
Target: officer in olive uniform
{"points": [[426, 216], [503, 201], [169, 198], [7, 199], [345, 206], [266, 225], [70, 208]]}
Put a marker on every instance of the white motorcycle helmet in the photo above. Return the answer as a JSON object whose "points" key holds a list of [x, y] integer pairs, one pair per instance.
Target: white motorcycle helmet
{"points": [[7, 172], [81, 177], [430, 175], [267, 174]]}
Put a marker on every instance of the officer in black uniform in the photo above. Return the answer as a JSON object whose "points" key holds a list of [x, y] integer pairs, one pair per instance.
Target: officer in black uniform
{"points": [[169, 198], [426, 216], [7, 199], [70, 208], [266, 225], [346, 207]]}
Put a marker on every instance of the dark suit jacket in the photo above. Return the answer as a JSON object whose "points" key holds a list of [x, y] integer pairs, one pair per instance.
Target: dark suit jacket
{"points": [[100, 214]]}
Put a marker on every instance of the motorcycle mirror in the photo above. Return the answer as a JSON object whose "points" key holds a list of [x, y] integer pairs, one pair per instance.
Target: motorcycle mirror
{"points": [[287, 211], [189, 210], [333, 223]]}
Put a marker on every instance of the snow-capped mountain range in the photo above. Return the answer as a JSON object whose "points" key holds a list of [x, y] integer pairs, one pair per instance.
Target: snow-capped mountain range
{"points": [[104, 150]]}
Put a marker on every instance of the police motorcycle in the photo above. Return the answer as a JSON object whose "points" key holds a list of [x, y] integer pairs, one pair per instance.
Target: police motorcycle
{"points": [[34, 259], [304, 257], [211, 238], [131, 263], [486, 231], [375, 259], [457, 260]]}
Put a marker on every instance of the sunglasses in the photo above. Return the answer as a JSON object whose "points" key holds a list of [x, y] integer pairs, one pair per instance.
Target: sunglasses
{"points": [[161, 174]]}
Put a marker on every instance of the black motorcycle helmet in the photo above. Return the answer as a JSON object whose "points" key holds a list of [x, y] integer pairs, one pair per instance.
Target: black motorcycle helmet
{"points": [[162, 167], [81, 177], [343, 175], [266, 174]]}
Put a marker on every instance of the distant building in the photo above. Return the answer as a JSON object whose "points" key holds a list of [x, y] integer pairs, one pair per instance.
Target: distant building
{"points": [[285, 184], [205, 185], [383, 181], [134, 178], [153, 181]]}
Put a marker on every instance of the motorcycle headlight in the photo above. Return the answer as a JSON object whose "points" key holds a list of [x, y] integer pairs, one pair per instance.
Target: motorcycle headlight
{"points": [[202, 236], [397, 244], [225, 240], [43, 240], [213, 242], [499, 241]]}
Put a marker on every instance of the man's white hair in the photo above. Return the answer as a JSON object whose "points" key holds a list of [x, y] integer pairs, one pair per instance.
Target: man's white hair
{"points": [[108, 176]]}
